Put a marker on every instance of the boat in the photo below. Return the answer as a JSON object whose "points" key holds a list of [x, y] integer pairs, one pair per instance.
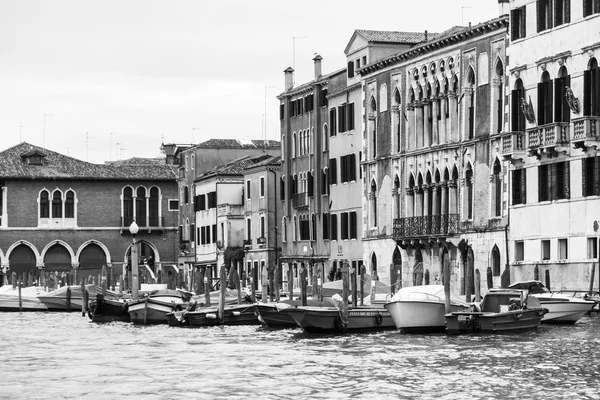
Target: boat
{"points": [[104, 309], [422, 308], [330, 320], [562, 309], [70, 298], [9, 299], [501, 310], [235, 314], [275, 315], [153, 308]]}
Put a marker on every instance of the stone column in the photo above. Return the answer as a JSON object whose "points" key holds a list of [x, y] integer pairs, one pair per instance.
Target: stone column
{"points": [[395, 129], [452, 198], [442, 126], [434, 116]]}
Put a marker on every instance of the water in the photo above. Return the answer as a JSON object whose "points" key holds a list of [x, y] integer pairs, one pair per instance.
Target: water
{"points": [[65, 356]]}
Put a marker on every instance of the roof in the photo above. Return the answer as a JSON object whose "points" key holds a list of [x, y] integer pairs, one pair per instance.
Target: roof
{"points": [[272, 160], [13, 165], [239, 144], [308, 86], [235, 167], [394, 36]]}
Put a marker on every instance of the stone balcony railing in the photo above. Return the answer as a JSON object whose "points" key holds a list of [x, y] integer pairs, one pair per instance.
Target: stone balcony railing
{"points": [[548, 139], [513, 146], [300, 200], [586, 132]]}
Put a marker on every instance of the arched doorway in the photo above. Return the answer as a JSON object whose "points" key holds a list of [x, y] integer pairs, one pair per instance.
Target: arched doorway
{"points": [[396, 277], [374, 275], [418, 269], [22, 262], [57, 261], [496, 261], [147, 272], [91, 260]]}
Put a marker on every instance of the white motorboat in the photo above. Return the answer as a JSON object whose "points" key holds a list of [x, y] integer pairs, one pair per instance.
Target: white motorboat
{"points": [[29, 301], [562, 309], [422, 308]]}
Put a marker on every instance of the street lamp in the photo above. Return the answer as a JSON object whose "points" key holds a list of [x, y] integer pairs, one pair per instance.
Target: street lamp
{"points": [[134, 229]]}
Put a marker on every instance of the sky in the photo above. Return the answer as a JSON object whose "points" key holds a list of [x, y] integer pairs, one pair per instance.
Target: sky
{"points": [[113, 79]]}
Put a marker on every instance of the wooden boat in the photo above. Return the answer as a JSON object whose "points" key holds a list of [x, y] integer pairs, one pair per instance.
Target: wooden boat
{"points": [[108, 310], [9, 299], [153, 308], [422, 308], [562, 309], [237, 314], [329, 319], [275, 315], [501, 310]]}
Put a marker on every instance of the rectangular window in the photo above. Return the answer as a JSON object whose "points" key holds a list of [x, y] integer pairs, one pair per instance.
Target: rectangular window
{"points": [[357, 63], [323, 98], [333, 230], [359, 167], [342, 118], [350, 116], [364, 60], [544, 15], [197, 236], [350, 69], [332, 122], [192, 232], [519, 192], [591, 7], [543, 183], [248, 190], [202, 235], [562, 249], [344, 225], [248, 229], [326, 226], [212, 200], [590, 171], [282, 189], [554, 181], [281, 111], [562, 12], [545, 250], [592, 248], [262, 226], [332, 171], [519, 251], [353, 225], [262, 186], [173, 205], [214, 233]]}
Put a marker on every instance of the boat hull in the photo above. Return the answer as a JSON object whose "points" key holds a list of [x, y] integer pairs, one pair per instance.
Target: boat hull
{"points": [[10, 302], [420, 316], [329, 319], [107, 310], [150, 311], [242, 314], [566, 311], [490, 322], [273, 317]]}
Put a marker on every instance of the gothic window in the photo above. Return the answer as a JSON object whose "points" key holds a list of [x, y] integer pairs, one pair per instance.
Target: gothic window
{"points": [[562, 113], [140, 206], [397, 196], [497, 189], [517, 117], [373, 109], [469, 191], [373, 203], [127, 206], [70, 204], [44, 204], [57, 204], [591, 89], [499, 96], [471, 102], [153, 207], [545, 100]]}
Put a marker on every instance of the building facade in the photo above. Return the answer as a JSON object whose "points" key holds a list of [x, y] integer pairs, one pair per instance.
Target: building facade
{"points": [[552, 141]]}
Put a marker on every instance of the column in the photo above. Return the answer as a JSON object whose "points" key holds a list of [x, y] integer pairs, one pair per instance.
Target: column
{"points": [[453, 116], [442, 126], [426, 123], [395, 139], [418, 125], [410, 128], [410, 202], [434, 115]]}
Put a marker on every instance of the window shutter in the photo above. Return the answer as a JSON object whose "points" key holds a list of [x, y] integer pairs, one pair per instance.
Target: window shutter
{"points": [[351, 69], [523, 23], [566, 111], [353, 225], [558, 85], [281, 111], [310, 184], [587, 89], [332, 123], [595, 87], [584, 177], [539, 15], [596, 177], [514, 25], [514, 108], [542, 183], [596, 6], [549, 116], [567, 16], [552, 182], [541, 103], [567, 180], [523, 186]]}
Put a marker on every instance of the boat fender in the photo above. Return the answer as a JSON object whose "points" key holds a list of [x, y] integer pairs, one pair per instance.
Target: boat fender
{"points": [[339, 325], [379, 319], [211, 316], [236, 313]]}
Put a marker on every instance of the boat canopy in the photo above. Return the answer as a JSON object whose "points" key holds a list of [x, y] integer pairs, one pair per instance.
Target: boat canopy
{"points": [[533, 287]]}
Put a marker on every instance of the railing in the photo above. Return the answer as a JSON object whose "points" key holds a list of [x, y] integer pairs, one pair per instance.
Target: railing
{"points": [[376, 233], [144, 223], [429, 225], [247, 242], [586, 128], [300, 200], [230, 209], [548, 135], [512, 142]]}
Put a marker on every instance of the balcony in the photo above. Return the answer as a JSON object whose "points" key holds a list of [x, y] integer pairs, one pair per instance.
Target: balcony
{"points": [[247, 243], [425, 226], [548, 139], [586, 133], [375, 233], [230, 210], [149, 224], [300, 200], [513, 146]]}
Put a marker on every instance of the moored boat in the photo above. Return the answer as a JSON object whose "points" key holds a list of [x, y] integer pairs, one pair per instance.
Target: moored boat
{"points": [[9, 299], [562, 309], [104, 309], [153, 308], [501, 310], [70, 298], [330, 319], [422, 308], [275, 315], [237, 314]]}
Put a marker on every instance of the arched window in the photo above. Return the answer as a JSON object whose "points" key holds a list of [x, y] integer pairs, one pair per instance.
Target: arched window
{"points": [[140, 206], [469, 191], [294, 145], [44, 204], [591, 88], [57, 204], [420, 196], [325, 138], [471, 102], [517, 97], [154, 207], [544, 105], [499, 95], [127, 206], [283, 143], [396, 103], [70, 204], [373, 109], [562, 113], [295, 228], [495, 261], [373, 203], [186, 195], [284, 229], [397, 196], [429, 190], [411, 95], [497, 189]]}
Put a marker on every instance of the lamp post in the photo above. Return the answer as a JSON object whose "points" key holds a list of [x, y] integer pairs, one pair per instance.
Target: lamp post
{"points": [[134, 228]]}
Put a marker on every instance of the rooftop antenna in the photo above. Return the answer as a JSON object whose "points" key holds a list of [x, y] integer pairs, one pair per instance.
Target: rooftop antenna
{"points": [[20, 129], [265, 122], [193, 138], [462, 21], [294, 54], [44, 137], [117, 150]]}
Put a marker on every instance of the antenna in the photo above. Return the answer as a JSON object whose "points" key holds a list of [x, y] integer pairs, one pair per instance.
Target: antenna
{"points": [[265, 122], [462, 11], [44, 137], [193, 138], [117, 150], [20, 129], [294, 54]]}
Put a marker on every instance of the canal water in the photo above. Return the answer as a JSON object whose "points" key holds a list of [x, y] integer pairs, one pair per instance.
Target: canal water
{"points": [[65, 356]]}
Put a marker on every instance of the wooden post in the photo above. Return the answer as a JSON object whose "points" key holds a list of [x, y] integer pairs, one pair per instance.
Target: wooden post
{"points": [[477, 285], [271, 282], [68, 298], [276, 281], [103, 281], [291, 281], [206, 292], [319, 284], [251, 280], [223, 288], [314, 281], [363, 271], [86, 300], [13, 279], [446, 273], [238, 285], [548, 279], [303, 284], [345, 294], [490, 278], [20, 299], [592, 271], [354, 289], [264, 283], [83, 304]]}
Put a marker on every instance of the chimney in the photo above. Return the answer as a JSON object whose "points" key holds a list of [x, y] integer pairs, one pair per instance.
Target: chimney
{"points": [[317, 61], [503, 7], [426, 35], [289, 78]]}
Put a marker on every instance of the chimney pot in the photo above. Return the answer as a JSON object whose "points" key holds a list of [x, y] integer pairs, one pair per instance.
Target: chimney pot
{"points": [[318, 68], [289, 78]]}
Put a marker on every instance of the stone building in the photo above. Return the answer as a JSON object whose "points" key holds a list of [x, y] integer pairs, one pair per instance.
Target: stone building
{"points": [[552, 140]]}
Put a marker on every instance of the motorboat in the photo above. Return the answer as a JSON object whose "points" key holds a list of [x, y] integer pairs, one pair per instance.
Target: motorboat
{"points": [[9, 299], [501, 310], [153, 308], [562, 309], [422, 308], [236, 314], [70, 298], [275, 315]]}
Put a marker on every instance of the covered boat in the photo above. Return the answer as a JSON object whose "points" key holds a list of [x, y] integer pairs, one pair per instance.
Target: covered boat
{"points": [[501, 310], [9, 299], [275, 315], [562, 309], [153, 308], [236, 314], [330, 319], [70, 298], [422, 308]]}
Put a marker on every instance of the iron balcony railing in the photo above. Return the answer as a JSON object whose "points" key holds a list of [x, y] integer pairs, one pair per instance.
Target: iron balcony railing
{"points": [[429, 225], [144, 223]]}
